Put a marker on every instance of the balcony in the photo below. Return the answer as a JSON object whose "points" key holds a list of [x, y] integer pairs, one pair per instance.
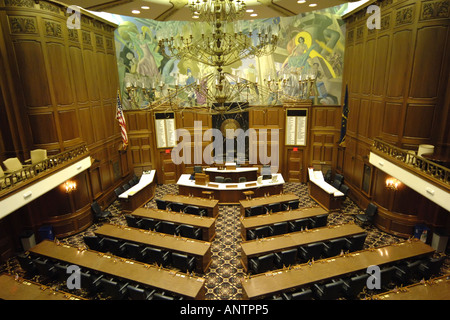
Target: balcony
{"points": [[24, 186], [427, 178]]}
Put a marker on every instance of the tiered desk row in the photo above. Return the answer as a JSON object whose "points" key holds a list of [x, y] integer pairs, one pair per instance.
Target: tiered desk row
{"points": [[154, 256], [334, 277], [291, 253]]}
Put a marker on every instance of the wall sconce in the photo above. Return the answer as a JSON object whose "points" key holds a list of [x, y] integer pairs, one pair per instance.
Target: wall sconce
{"points": [[70, 186], [392, 183]]}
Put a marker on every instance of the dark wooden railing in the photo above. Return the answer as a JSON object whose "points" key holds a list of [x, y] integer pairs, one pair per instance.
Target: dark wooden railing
{"points": [[411, 160], [52, 163]]}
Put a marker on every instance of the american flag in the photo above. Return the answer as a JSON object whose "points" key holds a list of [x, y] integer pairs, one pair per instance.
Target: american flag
{"points": [[123, 127]]}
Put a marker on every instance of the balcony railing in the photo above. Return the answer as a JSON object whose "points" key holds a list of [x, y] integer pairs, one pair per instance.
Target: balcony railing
{"points": [[29, 172], [424, 166]]}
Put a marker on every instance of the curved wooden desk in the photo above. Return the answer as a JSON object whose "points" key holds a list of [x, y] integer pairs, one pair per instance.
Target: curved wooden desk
{"points": [[230, 193], [249, 173]]}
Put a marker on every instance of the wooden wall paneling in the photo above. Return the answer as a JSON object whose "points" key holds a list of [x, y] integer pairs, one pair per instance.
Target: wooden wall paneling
{"points": [[428, 60], [381, 61]]}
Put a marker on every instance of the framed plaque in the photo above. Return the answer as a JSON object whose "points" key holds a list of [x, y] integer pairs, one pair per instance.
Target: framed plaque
{"points": [[296, 126], [165, 129]]}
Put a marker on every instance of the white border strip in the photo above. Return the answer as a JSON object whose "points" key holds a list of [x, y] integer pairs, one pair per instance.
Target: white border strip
{"points": [[425, 188], [37, 189]]}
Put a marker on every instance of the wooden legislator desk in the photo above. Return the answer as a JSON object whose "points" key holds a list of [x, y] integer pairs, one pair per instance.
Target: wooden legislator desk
{"points": [[249, 173], [206, 224], [323, 193], [22, 289], [230, 193], [277, 281], [248, 223], [432, 289], [211, 205], [263, 201], [190, 287], [255, 248], [139, 194], [201, 250]]}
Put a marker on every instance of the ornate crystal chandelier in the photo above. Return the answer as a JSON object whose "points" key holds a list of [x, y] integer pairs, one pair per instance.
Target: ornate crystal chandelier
{"points": [[221, 44]]}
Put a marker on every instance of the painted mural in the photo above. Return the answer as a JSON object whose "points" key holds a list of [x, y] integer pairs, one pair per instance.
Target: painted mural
{"points": [[312, 42]]}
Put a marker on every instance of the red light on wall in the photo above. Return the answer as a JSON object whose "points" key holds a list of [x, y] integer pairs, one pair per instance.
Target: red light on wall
{"points": [[167, 150], [295, 149]]}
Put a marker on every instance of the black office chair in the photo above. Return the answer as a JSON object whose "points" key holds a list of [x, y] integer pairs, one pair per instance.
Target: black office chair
{"points": [[334, 247], [273, 207], [150, 224], [344, 189], [133, 221], [177, 206], [136, 293], [169, 227], [286, 258], [118, 191], [94, 242], [262, 263], [353, 286], [299, 224], [406, 271], [183, 262], [291, 205], [318, 221], [242, 179], [258, 233], [113, 289], [255, 210], [431, 267], [158, 256], [134, 251], [26, 263], [113, 246], [61, 271], [198, 169], [162, 296], [228, 180], [161, 204], [267, 176], [368, 216], [327, 176], [90, 282], [131, 183], [191, 232], [329, 291], [219, 179], [356, 242], [303, 294], [135, 179], [125, 187], [278, 228], [311, 251], [45, 268], [336, 184], [99, 214], [387, 277], [192, 210]]}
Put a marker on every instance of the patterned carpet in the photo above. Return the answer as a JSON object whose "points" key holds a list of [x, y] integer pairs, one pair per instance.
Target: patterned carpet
{"points": [[225, 272]]}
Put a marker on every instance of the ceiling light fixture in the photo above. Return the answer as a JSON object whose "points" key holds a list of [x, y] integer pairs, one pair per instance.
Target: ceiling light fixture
{"points": [[313, 4], [145, 7], [301, 1], [135, 12]]}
